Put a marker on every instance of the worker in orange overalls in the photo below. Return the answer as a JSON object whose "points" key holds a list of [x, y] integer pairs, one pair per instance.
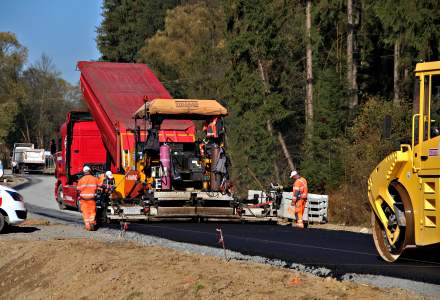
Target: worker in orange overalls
{"points": [[299, 197], [87, 187], [214, 128], [210, 128]]}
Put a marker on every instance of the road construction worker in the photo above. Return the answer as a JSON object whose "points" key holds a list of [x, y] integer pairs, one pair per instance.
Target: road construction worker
{"points": [[299, 198], [214, 128], [87, 187], [106, 181]]}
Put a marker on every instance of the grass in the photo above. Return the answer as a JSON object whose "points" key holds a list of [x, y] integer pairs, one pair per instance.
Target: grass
{"points": [[134, 295], [197, 287]]}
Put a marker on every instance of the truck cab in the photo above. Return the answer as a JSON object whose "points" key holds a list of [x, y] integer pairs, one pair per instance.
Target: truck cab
{"points": [[81, 144]]}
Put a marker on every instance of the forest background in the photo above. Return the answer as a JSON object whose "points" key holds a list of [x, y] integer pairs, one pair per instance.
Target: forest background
{"points": [[308, 83]]}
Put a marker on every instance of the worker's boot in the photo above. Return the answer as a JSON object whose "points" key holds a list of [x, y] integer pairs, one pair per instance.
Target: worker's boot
{"points": [[87, 226], [283, 221], [299, 224]]}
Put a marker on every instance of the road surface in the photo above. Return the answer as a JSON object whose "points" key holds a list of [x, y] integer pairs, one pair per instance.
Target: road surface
{"points": [[341, 252]]}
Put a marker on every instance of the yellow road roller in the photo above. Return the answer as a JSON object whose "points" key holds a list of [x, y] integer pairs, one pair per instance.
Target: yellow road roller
{"points": [[404, 189]]}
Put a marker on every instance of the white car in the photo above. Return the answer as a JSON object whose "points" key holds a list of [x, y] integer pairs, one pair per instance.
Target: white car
{"points": [[12, 209]]}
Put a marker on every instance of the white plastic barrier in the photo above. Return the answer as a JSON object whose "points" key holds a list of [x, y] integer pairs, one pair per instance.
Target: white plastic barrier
{"points": [[316, 209]]}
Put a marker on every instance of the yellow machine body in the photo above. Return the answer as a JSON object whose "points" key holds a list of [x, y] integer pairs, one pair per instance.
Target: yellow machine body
{"points": [[404, 189]]}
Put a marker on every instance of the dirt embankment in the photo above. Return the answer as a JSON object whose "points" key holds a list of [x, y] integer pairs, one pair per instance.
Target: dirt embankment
{"points": [[45, 262]]}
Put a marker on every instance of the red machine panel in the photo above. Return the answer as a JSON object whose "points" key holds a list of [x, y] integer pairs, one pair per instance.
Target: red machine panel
{"points": [[87, 146], [177, 131]]}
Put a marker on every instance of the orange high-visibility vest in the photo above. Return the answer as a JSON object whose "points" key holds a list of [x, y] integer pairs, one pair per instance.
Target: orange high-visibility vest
{"points": [[87, 186], [211, 128], [300, 186]]}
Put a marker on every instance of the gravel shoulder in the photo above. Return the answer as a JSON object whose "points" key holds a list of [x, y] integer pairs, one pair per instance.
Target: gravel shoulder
{"points": [[13, 181], [47, 260]]}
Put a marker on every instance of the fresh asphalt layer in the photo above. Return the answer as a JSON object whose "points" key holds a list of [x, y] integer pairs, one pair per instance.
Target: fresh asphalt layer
{"points": [[339, 251]]}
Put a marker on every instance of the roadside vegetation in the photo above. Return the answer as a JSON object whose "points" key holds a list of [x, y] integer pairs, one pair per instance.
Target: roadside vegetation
{"points": [[308, 83], [34, 99]]}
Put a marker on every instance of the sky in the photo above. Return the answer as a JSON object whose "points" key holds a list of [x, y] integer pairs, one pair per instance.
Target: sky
{"points": [[65, 30]]}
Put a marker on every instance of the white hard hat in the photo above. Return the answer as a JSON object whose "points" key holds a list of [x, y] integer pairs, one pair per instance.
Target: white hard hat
{"points": [[86, 169], [109, 174], [293, 173]]}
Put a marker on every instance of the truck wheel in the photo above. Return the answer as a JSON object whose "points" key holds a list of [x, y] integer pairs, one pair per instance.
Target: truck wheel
{"points": [[78, 205], [3, 224], [103, 217], [60, 197]]}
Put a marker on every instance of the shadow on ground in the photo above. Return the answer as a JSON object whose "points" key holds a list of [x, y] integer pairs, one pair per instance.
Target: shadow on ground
{"points": [[18, 229]]}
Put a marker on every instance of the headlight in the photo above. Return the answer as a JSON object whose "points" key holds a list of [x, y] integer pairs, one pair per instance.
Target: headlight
{"points": [[16, 196]]}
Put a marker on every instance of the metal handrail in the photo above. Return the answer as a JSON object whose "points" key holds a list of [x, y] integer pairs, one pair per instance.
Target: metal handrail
{"points": [[413, 139]]}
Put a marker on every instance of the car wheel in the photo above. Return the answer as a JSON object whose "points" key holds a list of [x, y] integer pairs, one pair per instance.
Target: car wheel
{"points": [[60, 197], [3, 224]]}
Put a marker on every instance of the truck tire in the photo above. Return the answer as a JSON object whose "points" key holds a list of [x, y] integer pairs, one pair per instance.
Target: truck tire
{"points": [[78, 205], [101, 217], [3, 224], [60, 197]]}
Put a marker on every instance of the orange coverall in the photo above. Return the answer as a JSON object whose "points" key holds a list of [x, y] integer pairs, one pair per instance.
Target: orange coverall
{"points": [[87, 187], [299, 198]]}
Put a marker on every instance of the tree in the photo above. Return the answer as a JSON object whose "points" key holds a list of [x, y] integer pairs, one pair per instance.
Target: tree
{"points": [[309, 85], [12, 58], [260, 85], [363, 148], [127, 23], [43, 109], [351, 61], [194, 62], [410, 27]]}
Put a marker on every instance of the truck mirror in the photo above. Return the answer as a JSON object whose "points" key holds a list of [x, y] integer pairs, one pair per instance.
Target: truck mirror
{"points": [[387, 126]]}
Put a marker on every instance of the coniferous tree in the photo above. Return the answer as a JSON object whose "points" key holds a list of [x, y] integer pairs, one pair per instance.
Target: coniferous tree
{"points": [[256, 96], [309, 86], [194, 62], [259, 67], [127, 23]]}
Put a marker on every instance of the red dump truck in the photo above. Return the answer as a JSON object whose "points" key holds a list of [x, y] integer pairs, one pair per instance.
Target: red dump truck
{"points": [[149, 141]]}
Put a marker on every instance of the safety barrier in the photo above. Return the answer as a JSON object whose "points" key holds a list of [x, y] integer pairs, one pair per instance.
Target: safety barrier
{"points": [[316, 209]]}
